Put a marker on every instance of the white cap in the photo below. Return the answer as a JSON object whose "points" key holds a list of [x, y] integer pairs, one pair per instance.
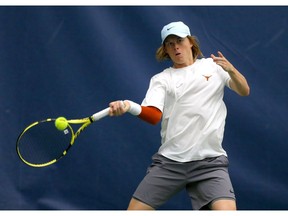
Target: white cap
{"points": [[175, 28]]}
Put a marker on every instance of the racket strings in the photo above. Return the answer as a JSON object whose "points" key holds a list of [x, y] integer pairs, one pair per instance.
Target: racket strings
{"points": [[43, 143]]}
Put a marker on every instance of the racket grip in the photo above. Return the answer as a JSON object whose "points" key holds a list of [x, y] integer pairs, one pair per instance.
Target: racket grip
{"points": [[101, 114]]}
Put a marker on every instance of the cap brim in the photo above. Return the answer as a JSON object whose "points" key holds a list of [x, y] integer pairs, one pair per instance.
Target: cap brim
{"points": [[182, 35]]}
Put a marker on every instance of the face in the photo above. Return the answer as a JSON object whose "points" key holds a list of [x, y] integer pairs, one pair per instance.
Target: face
{"points": [[179, 50]]}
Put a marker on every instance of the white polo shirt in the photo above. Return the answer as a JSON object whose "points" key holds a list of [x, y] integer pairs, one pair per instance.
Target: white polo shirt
{"points": [[191, 100]]}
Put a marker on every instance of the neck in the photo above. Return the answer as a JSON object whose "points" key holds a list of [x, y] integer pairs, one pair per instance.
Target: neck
{"points": [[184, 64]]}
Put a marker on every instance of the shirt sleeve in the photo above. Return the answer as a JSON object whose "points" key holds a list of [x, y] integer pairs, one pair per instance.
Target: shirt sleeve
{"points": [[155, 95]]}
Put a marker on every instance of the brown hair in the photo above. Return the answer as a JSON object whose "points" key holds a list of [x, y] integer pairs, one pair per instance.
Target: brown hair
{"points": [[161, 55]]}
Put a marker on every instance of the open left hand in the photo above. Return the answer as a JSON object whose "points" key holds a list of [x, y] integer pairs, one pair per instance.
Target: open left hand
{"points": [[223, 62]]}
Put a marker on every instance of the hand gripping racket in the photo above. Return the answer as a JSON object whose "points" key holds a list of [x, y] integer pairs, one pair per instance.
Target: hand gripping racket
{"points": [[41, 144]]}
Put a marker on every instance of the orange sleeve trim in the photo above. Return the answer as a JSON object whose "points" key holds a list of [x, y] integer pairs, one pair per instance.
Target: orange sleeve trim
{"points": [[150, 114]]}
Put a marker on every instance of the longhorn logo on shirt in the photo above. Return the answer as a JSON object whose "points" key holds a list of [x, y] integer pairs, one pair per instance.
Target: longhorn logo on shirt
{"points": [[207, 77]]}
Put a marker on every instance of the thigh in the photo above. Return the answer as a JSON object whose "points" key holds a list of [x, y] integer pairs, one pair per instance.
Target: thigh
{"points": [[164, 178], [212, 183]]}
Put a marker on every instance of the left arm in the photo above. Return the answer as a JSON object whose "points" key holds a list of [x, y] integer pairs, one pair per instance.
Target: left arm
{"points": [[238, 82]]}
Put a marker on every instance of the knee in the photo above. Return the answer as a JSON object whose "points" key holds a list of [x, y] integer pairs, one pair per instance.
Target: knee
{"points": [[138, 205], [228, 204]]}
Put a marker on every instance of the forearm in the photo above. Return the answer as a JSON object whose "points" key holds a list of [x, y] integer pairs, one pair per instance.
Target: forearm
{"points": [[238, 83], [149, 114]]}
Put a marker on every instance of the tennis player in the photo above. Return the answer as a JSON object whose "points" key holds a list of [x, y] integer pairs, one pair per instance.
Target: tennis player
{"points": [[188, 97]]}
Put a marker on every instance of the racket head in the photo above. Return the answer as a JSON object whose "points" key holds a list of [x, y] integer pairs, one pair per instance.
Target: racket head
{"points": [[42, 144]]}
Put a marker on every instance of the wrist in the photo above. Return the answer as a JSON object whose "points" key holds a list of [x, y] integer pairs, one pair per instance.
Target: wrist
{"points": [[134, 109], [232, 70]]}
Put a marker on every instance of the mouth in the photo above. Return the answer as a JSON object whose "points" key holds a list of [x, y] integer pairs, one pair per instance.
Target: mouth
{"points": [[177, 54]]}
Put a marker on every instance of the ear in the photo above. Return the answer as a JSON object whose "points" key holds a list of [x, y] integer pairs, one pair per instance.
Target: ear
{"points": [[164, 49], [191, 44]]}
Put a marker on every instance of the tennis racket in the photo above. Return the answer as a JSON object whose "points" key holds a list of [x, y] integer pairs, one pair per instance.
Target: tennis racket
{"points": [[41, 144]]}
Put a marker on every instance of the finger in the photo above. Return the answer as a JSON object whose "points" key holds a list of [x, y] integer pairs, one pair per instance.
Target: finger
{"points": [[113, 108], [215, 59], [220, 54], [111, 112], [118, 108]]}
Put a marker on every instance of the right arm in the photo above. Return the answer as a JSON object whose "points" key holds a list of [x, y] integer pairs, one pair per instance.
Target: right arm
{"points": [[149, 114]]}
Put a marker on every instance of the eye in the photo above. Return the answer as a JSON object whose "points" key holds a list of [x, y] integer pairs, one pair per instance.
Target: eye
{"points": [[169, 43], [180, 40]]}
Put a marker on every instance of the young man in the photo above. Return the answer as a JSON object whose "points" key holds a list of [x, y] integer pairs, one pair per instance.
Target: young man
{"points": [[189, 98]]}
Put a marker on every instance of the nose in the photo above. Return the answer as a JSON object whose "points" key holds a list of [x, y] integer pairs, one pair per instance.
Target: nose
{"points": [[174, 45]]}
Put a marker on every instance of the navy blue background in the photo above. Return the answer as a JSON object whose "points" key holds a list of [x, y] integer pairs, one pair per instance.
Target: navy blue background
{"points": [[72, 61]]}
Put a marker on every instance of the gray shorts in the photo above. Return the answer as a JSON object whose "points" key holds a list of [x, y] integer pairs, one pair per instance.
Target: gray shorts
{"points": [[205, 181]]}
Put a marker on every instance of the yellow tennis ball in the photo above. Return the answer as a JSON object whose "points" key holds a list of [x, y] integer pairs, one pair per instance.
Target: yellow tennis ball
{"points": [[61, 123]]}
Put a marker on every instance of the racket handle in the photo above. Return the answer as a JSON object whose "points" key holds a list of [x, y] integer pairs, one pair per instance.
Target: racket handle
{"points": [[101, 114]]}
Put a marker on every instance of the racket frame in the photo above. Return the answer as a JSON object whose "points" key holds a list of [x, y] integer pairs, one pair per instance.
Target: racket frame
{"points": [[85, 123]]}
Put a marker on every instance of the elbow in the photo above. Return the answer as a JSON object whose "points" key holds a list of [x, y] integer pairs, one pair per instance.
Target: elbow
{"points": [[245, 92], [154, 121]]}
